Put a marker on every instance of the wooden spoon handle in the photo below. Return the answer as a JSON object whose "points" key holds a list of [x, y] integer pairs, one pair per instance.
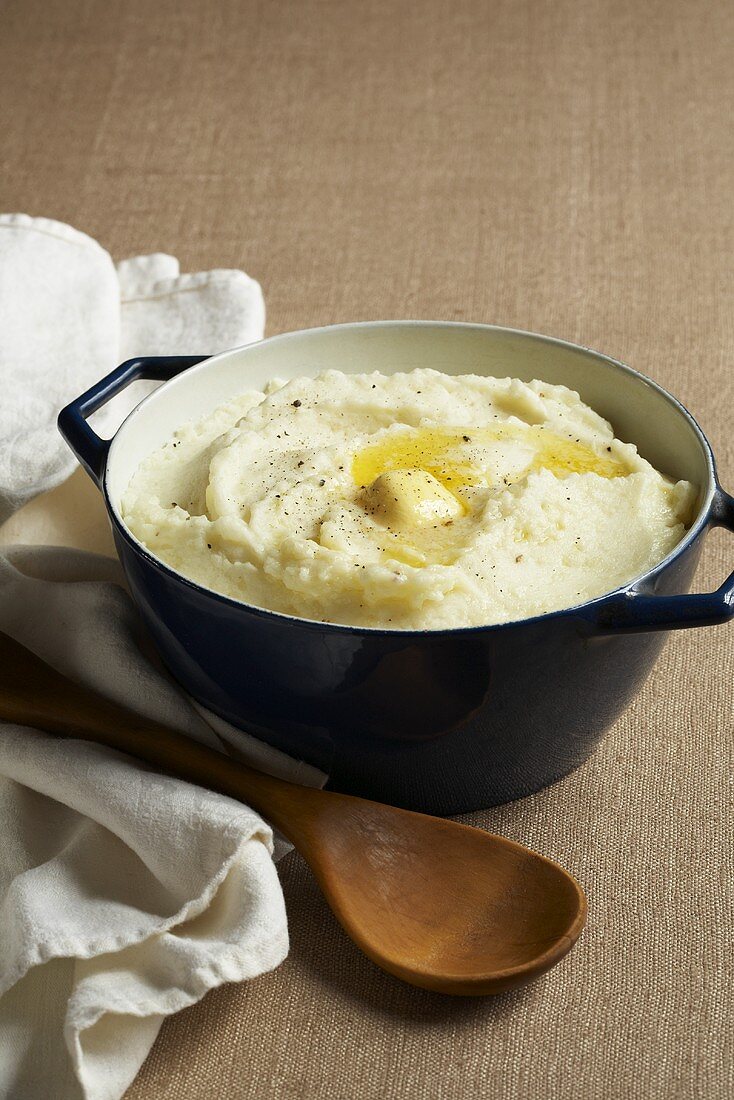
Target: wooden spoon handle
{"points": [[34, 694]]}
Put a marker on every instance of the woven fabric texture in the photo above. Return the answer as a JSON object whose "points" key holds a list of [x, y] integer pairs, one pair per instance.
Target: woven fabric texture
{"points": [[564, 167]]}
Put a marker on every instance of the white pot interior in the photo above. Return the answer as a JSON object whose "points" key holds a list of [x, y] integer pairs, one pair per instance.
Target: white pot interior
{"points": [[639, 412]]}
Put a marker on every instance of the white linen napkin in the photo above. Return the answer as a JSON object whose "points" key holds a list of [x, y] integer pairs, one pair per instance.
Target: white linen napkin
{"points": [[69, 316], [124, 895]]}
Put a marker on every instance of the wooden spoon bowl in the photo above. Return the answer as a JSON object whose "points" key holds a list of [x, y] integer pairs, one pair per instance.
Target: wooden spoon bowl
{"points": [[441, 905]]}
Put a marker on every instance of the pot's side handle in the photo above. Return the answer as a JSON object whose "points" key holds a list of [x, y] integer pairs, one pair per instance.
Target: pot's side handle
{"points": [[88, 447], [638, 611]]}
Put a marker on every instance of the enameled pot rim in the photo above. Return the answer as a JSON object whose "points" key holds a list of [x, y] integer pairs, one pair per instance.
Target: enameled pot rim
{"points": [[574, 611]]}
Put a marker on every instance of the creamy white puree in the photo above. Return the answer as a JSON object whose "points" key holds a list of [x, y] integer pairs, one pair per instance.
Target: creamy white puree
{"points": [[418, 501]]}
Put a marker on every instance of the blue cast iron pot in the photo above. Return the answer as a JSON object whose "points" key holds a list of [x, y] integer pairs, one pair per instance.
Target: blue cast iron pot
{"points": [[440, 721]]}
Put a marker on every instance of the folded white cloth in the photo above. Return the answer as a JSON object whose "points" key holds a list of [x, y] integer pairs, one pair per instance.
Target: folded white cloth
{"points": [[124, 895], [69, 316]]}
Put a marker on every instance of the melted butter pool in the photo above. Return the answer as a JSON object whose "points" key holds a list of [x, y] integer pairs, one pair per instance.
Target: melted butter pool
{"points": [[453, 456], [461, 459]]}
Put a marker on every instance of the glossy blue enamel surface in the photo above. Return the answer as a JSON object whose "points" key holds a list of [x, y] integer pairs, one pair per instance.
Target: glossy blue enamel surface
{"points": [[440, 722], [86, 444], [443, 722]]}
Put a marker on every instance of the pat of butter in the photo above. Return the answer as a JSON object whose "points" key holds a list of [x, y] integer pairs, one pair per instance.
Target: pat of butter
{"points": [[411, 498]]}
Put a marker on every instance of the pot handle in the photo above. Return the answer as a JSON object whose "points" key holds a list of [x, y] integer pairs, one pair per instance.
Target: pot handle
{"points": [[634, 611], [89, 448]]}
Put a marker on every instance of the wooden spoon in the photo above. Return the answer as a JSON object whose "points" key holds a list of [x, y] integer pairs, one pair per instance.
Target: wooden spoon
{"points": [[444, 906]]}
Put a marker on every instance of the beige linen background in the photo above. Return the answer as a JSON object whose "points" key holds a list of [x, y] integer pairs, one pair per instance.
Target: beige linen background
{"points": [[560, 166]]}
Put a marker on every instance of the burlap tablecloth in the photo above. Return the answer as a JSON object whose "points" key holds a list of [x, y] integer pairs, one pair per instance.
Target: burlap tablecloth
{"points": [[559, 166]]}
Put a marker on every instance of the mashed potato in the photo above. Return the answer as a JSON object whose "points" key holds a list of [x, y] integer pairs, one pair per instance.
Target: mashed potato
{"points": [[417, 501]]}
